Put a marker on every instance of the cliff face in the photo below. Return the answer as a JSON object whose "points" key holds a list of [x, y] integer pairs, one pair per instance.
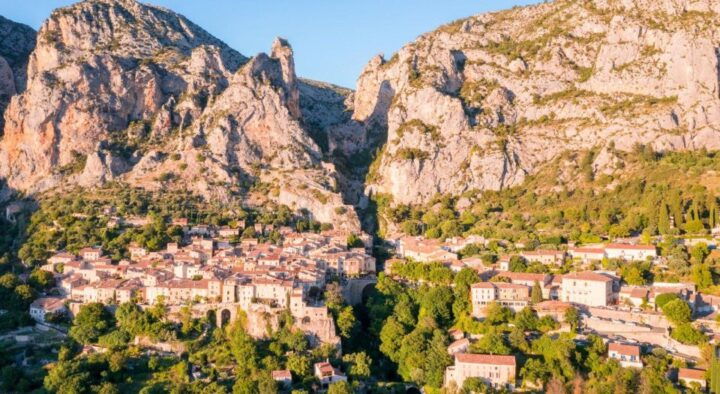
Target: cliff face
{"points": [[120, 90], [16, 43], [485, 101]]}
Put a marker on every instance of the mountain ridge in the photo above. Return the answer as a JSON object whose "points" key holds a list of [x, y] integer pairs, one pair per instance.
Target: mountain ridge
{"points": [[121, 90]]}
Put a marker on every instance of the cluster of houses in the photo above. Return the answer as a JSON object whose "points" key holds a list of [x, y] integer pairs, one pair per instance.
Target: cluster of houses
{"points": [[500, 370], [210, 272], [585, 290], [427, 250]]}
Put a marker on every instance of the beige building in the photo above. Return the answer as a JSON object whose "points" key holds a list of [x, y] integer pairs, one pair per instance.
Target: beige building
{"points": [[587, 288], [496, 370], [513, 296], [544, 256], [587, 255]]}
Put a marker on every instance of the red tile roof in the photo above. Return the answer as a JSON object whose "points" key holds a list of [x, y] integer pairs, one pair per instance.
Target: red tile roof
{"points": [[629, 350], [589, 275], [690, 373], [491, 359], [525, 276], [629, 246], [588, 250], [281, 374]]}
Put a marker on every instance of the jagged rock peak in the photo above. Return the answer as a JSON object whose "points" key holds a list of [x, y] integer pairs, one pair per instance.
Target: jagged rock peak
{"points": [[283, 52], [126, 28]]}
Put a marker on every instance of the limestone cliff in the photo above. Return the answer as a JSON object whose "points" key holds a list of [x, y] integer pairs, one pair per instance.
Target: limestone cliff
{"points": [[482, 102], [121, 90]]}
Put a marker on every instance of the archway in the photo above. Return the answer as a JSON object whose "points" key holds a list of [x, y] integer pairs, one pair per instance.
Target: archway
{"points": [[211, 316], [367, 291], [224, 317]]}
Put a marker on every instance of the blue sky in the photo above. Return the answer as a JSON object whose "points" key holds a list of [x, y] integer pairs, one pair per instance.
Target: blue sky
{"points": [[332, 39]]}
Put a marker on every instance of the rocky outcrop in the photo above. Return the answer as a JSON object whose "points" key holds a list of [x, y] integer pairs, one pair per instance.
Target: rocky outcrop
{"points": [[16, 43], [483, 102], [120, 90]]}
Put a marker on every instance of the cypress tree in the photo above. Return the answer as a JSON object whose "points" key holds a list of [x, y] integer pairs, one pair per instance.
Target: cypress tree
{"points": [[536, 294], [663, 220]]}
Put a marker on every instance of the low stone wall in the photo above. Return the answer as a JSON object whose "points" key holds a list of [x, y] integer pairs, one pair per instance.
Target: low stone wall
{"points": [[654, 319]]}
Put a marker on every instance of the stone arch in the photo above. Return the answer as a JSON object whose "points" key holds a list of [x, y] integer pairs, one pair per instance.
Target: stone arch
{"points": [[367, 290], [306, 320], [211, 315], [224, 316]]}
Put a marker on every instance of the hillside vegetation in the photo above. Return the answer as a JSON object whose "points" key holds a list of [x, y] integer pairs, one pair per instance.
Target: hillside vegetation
{"points": [[673, 193]]}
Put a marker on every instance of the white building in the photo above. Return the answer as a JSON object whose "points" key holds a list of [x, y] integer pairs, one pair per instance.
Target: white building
{"points": [[630, 252], [327, 374], [587, 288], [42, 306], [627, 355]]}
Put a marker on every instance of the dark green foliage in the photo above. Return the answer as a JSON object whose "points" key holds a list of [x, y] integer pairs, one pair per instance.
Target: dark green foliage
{"points": [[91, 322]]}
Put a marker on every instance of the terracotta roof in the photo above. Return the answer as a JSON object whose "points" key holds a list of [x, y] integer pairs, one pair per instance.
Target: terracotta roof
{"points": [[525, 276], [48, 303], [629, 246], [589, 275], [459, 343], [281, 374], [588, 250], [491, 359], [690, 373], [543, 253], [630, 350]]}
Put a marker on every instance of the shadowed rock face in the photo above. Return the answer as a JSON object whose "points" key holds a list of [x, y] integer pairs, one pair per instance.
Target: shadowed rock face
{"points": [[16, 43], [482, 102]]}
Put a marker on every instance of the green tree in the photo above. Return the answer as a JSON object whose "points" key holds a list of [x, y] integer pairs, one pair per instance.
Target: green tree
{"points": [[677, 311], [91, 322], [662, 299], [687, 334], [341, 387], [491, 343], [517, 264], [358, 365], [298, 364], [536, 295], [41, 280], [572, 317]]}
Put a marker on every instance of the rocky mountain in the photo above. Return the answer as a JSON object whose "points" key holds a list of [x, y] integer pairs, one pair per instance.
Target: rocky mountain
{"points": [[16, 43], [121, 90], [483, 102]]}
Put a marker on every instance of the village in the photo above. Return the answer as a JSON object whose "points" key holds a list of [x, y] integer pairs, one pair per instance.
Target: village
{"points": [[215, 277], [220, 274], [625, 316]]}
